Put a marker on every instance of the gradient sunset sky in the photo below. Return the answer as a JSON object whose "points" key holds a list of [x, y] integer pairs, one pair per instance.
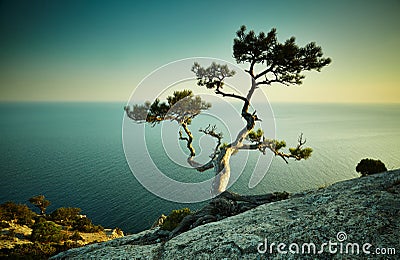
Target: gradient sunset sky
{"points": [[101, 50]]}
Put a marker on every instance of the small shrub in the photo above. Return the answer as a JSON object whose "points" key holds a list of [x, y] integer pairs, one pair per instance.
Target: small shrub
{"points": [[32, 251], [37, 250], [66, 246], [159, 222], [47, 232], [40, 219], [119, 231], [370, 166], [85, 225], [173, 219], [65, 216]]}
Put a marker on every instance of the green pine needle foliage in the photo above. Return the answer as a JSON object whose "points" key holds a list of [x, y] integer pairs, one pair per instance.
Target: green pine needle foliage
{"points": [[304, 153], [370, 166], [173, 219], [255, 136]]}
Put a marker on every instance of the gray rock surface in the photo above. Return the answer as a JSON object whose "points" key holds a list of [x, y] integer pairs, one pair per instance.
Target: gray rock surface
{"points": [[366, 209]]}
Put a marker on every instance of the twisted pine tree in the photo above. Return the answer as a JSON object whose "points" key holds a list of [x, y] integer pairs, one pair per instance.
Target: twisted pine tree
{"points": [[269, 62]]}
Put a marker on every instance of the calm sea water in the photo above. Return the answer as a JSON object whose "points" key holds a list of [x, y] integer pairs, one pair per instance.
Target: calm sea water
{"points": [[72, 153]]}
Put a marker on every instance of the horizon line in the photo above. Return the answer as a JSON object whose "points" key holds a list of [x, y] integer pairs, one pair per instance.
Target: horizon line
{"points": [[233, 101]]}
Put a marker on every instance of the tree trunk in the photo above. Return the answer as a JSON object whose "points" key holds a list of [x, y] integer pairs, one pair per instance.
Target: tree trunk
{"points": [[222, 165], [222, 171]]}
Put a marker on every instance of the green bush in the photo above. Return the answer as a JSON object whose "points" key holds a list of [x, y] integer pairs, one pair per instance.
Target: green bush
{"points": [[47, 231], [173, 219], [32, 251], [119, 231], [36, 250], [65, 216], [370, 166], [66, 246], [85, 225], [20, 213]]}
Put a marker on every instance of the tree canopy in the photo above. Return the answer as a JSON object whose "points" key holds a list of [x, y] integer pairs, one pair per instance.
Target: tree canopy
{"points": [[65, 215], [281, 62], [370, 166], [182, 107], [20, 213]]}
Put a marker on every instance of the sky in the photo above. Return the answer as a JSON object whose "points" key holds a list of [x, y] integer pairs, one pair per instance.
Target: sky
{"points": [[101, 50]]}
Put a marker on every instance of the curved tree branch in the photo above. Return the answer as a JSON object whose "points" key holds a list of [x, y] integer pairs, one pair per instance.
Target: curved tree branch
{"points": [[210, 130], [188, 139], [213, 76], [201, 167], [274, 146]]}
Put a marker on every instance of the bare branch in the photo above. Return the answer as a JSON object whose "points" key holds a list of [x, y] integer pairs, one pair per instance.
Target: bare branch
{"points": [[269, 82], [250, 119], [188, 139], [210, 130], [218, 91], [265, 72], [213, 76], [181, 136], [300, 140], [202, 167], [251, 70], [249, 147]]}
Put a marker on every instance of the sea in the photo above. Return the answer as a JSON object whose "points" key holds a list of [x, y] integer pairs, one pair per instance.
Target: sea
{"points": [[73, 153]]}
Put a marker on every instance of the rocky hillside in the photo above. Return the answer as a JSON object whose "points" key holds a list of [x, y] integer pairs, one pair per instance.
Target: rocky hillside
{"points": [[359, 215]]}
